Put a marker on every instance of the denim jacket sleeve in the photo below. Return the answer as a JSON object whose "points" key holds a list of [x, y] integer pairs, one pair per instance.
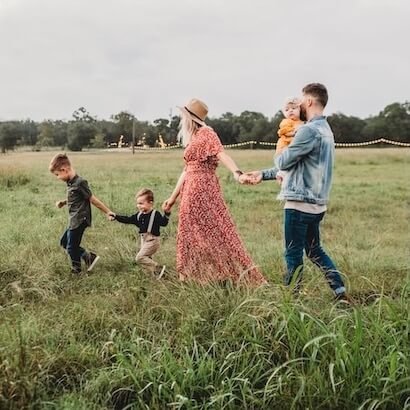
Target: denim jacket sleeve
{"points": [[303, 143], [269, 173]]}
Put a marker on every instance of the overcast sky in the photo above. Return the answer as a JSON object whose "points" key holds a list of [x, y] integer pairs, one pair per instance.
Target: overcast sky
{"points": [[148, 56]]}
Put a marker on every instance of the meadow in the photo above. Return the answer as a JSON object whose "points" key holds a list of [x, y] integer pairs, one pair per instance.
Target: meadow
{"points": [[119, 339]]}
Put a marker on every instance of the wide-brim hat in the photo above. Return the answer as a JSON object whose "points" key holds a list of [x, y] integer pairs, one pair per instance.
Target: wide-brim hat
{"points": [[197, 110]]}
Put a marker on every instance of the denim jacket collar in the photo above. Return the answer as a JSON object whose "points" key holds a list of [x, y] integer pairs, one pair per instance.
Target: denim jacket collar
{"points": [[317, 117]]}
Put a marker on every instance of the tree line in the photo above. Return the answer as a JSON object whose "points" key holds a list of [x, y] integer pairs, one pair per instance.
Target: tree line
{"points": [[84, 130]]}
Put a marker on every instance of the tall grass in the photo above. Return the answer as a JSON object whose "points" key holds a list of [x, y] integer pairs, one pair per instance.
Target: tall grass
{"points": [[118, 339]]}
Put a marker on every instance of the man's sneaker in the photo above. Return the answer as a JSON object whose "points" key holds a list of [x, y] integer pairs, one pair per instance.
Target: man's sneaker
{"points": [[160, 272], [344, 299], [90, 260]]}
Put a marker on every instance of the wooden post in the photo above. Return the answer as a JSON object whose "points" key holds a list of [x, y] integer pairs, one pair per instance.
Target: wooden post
{"points": [[133, 135]]}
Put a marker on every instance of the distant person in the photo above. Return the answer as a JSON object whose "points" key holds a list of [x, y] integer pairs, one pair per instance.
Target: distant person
{"points": [[209, 248], [288, 127], [309, 162], [149, 221], [79, 200]]}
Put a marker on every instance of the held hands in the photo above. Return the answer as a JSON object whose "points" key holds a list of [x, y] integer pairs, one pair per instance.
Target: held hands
{"points": [[111, 216], [168, 204], [250, 178]]}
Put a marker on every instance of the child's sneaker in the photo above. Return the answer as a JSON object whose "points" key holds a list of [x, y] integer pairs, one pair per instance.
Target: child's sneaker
{"points": [[90, 260], [344, 299], [160, 272], [76, 271]]}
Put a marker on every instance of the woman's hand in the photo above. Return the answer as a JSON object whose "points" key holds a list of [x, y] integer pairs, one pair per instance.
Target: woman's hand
{"points": [[168, 204], [251, 178]]}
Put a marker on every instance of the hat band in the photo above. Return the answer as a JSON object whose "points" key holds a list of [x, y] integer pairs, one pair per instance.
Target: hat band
{"points": [[192, 113]]}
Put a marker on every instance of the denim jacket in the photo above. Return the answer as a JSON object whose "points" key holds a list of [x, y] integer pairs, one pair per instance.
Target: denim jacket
{"points": [[309, 161]]}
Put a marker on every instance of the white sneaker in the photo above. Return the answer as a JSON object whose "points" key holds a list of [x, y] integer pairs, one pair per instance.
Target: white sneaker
{"points": [[161, 273], [92, 260]]}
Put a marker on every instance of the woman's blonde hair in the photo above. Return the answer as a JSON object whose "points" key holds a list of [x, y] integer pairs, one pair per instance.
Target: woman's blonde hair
{"points": [[187, 128]]}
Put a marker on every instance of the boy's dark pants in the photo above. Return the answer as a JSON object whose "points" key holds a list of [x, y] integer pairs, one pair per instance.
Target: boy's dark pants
{"points": [[70, 241]]}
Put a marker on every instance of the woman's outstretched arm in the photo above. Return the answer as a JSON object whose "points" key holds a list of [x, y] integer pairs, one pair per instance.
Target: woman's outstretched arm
{"points": [[230, 164], [167, 205]]}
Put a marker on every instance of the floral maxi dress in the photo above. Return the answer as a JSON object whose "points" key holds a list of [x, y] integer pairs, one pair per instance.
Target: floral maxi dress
{"points": [[209, 248]]}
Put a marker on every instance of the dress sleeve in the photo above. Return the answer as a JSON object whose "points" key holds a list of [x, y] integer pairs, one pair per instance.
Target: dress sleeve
{"points": [[211, 143]]}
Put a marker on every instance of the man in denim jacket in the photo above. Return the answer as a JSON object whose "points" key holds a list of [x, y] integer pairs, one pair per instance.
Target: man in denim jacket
{"points": [[308, 161]]}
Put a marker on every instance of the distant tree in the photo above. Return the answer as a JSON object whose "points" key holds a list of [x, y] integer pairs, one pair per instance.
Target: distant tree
{"points": [[227, 127], [262, 131], [346, 129], [98, 141], [9, 135], [397, 119], [60, 133], [109, 131], [123, 121], [392, 123], [81, 114], [80, 135], [174, 130], [29, 132], [81, 130], [246, 121], [146, 133], [161, 126], [46, 136]]}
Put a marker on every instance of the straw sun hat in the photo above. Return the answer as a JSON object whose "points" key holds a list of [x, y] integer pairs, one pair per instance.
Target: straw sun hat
{"points": [[197, 110]]}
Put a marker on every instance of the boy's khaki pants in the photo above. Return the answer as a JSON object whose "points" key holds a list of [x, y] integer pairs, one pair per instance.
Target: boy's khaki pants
{"points": [[149, 245]]}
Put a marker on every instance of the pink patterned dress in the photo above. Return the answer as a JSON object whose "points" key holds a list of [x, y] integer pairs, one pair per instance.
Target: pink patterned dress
{"points": [[209, 248]]}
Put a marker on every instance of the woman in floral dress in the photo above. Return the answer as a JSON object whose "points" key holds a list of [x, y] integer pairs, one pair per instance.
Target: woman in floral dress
{"points": [[209, 248]]}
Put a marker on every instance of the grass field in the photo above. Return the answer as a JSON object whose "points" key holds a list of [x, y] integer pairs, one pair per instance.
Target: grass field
{"points": [[118, 339]]}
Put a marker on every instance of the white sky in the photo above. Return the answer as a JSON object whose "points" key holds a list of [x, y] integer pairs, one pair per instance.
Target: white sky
{"points": [[148, 56]]}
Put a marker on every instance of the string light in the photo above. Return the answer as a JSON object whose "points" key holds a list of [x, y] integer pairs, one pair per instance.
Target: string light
{"points": [[273, 144]]}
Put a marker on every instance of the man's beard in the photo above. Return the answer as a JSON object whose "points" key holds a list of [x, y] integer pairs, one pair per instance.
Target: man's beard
{"points": [[303, 114]]}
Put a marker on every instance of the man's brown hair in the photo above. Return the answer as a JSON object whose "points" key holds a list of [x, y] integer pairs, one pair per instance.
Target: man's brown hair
{"points": [[147, 193], [58, 162], [318, 91]]}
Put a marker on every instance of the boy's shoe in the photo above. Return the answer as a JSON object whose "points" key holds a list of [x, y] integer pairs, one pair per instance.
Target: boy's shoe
{"points": [[76, 271], [344, 299], [159, 273], [90, 260]]}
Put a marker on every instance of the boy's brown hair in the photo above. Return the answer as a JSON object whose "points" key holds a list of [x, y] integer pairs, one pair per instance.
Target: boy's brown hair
{"points": [[318, 91], [58, 162], [145, 192]]}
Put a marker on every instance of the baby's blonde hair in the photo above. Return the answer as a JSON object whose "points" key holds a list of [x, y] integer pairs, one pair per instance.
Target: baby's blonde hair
{"points": [[294, 101]]}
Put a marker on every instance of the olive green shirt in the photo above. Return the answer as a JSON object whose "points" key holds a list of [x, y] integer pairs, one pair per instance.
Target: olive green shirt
{"points": [[78, 202]]}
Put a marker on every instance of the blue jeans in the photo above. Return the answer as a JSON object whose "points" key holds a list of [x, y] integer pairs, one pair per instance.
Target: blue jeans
{"points": [[302, 233], [70, 241]]}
